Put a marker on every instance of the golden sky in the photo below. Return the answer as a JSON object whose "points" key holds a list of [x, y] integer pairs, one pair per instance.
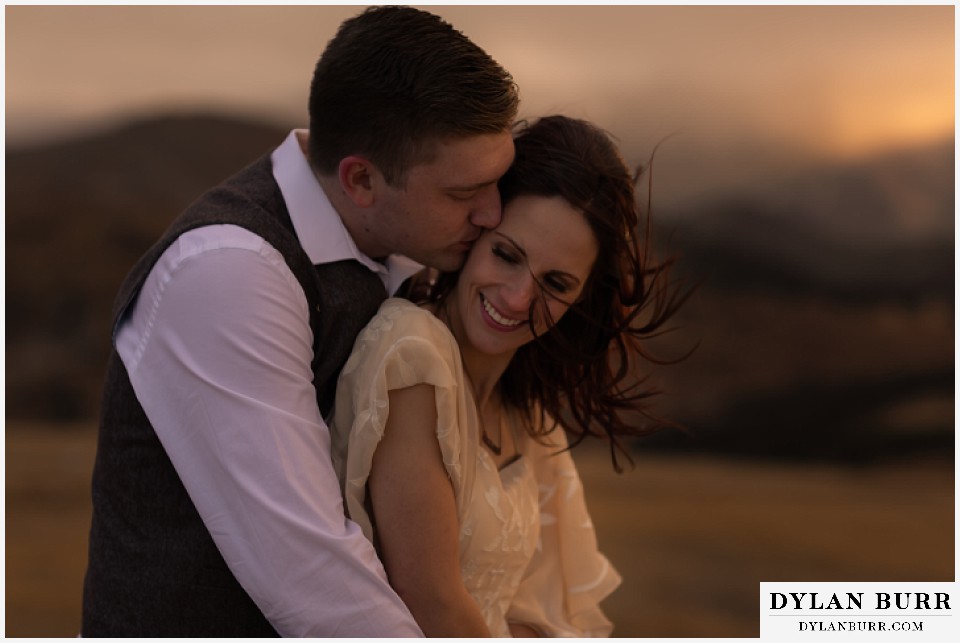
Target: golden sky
{"points": [[822, 79]]}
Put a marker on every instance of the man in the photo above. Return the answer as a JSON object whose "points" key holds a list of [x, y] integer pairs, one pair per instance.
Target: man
{"points": [[216, 508]]}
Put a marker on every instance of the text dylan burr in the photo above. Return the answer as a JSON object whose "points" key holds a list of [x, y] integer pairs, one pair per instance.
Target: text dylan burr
{"points": [[854, 600]]}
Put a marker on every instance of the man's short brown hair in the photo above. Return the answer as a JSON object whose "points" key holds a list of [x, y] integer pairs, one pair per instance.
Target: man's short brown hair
{"points": [[393, 81]]}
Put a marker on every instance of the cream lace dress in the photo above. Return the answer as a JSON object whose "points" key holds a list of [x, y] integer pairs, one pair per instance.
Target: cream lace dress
{"points": [[528, 550]]}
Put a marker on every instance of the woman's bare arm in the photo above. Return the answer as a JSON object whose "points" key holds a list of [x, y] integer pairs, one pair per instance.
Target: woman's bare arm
{"points": [[416, 516]]}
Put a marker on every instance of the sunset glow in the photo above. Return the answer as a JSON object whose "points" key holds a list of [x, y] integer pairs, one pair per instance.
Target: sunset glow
{"points": [[834, 80]]}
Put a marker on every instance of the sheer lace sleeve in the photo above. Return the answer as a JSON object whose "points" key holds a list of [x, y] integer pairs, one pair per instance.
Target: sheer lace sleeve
{"points": [[403, 345]]}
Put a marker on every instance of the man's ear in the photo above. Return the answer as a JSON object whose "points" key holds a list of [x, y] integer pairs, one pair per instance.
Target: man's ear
{"points": [[357, 176]]}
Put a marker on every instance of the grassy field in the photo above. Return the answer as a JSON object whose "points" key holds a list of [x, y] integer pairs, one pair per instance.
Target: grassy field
{"points": [[692, 537]]}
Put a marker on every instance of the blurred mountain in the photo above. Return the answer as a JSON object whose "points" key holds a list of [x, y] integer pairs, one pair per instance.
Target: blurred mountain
{"points": [[824, 312], [875, 230], [78, 216]]}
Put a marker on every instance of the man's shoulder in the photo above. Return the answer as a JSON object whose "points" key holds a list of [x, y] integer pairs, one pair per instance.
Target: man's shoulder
{"points": [[253, 186]]}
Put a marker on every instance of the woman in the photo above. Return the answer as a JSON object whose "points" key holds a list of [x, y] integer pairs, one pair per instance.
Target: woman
{"points": [[451, 417]]}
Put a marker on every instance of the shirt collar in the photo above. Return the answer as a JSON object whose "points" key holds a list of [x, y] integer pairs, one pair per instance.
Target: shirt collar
{"points": [[318, 225]]}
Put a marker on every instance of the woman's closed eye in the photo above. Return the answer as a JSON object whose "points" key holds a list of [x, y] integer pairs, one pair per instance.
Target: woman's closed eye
{"points": [[505, 254], [558, 284]]}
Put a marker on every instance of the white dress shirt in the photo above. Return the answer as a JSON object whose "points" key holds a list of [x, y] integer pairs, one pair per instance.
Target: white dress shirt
{"points": [[218, 349]]}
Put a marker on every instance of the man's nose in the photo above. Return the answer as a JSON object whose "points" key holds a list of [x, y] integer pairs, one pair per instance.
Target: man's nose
{"points": [[486, 213]]}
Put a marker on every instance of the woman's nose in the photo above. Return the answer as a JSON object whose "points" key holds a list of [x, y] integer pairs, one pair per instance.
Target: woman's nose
{"points": [[519, 294]]}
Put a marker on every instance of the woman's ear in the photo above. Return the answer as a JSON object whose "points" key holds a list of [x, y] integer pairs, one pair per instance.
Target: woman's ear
{"points": [[357, 175]]}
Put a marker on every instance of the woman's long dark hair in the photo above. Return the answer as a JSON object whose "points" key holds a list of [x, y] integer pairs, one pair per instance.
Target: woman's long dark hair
{"points": [[585, 371]]}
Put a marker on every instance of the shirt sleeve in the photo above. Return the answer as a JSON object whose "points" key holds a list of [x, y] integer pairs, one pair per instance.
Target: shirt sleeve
{"points": [[218, 349]]}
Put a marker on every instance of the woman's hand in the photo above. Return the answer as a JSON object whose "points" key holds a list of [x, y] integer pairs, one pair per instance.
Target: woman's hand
{"points": [[415, 511]]}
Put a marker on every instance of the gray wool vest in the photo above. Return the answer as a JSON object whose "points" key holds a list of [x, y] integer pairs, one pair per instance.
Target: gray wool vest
{"points": [[153, 568]]}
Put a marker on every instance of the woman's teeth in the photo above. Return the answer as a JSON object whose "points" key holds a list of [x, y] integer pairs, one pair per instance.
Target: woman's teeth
{"points": [[497, 317]]}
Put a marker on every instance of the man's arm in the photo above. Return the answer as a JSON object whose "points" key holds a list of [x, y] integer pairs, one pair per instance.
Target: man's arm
{"points": [[218, 350]]}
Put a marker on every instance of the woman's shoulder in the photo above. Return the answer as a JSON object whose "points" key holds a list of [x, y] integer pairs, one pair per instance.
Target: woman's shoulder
{"points": [[405, 344], [400, 322], [398, 307], [399, 317]]}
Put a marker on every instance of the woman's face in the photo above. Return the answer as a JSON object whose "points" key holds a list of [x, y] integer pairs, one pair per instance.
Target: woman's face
{"points": [[540, 239]]}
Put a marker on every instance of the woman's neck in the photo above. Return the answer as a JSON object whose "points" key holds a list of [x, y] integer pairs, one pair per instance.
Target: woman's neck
{"points": [[483, 370], [484, 373]]}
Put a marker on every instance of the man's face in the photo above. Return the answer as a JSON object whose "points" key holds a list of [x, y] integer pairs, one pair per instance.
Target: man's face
{"points": [[444, 204]]}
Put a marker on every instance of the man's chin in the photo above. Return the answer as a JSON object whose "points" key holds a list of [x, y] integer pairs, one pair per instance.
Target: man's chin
{"points": [[449, 262]]}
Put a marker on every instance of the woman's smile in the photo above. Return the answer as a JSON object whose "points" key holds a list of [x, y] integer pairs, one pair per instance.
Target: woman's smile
{"points": [[496, 319]]}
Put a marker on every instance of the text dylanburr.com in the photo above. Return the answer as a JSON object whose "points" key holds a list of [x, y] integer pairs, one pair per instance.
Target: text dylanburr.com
{"points": [[859, 611]]}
